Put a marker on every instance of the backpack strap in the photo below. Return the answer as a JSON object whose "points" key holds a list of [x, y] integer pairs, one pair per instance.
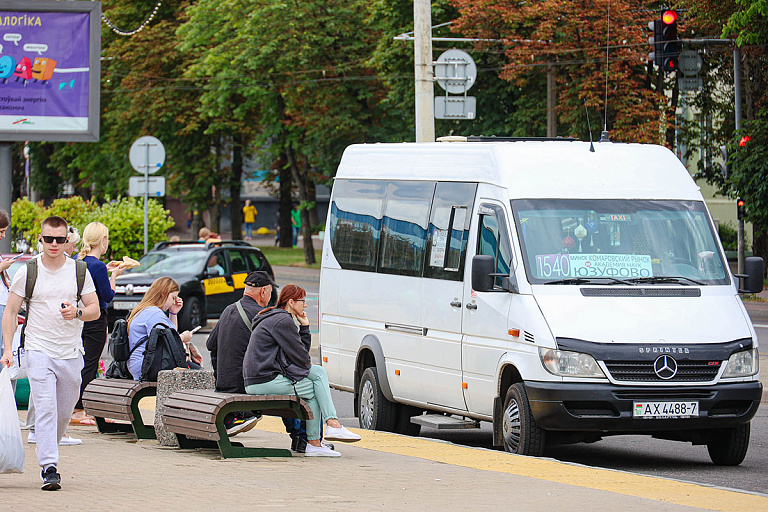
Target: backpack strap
{"points": [[80, 269], [28, 289], [247, 322]]}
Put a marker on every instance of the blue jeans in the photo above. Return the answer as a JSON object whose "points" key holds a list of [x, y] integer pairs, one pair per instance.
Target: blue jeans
{"points": [[295, 428], [249, 229], [296, 230], [313, 388]]}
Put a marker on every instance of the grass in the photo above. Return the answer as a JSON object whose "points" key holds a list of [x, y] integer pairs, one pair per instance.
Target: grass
{"points": [[285, 257]]}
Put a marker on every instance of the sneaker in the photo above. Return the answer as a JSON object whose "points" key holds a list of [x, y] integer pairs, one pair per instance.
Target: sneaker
{"points": [[242, 423], [341, 434], [51, 479], [320, 451], [66, 440]]}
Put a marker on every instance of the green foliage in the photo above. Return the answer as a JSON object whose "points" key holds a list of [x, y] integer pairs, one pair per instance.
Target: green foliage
{"points": [[124, 217], [728, 236]]}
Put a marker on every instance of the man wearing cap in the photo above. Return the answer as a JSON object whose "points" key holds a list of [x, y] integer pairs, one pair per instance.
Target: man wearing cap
{"points": [[229, 340]]}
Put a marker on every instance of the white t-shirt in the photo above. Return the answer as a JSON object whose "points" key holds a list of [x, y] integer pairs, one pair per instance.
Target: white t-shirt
{"points": [[3, 293], [46, 330]]}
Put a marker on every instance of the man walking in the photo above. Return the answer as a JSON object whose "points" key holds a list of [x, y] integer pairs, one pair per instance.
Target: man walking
{"points": [[53, 340]]}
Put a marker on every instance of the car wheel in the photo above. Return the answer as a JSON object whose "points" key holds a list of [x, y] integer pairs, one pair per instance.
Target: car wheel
{"points": [[403, 423], [728, 447], [191, 315], [520, 432], [375, 412]]}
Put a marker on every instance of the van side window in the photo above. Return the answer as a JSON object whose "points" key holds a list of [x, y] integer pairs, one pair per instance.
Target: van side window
{"points": [[356, 222], [404, 227], [493, 239], [449, 230]]}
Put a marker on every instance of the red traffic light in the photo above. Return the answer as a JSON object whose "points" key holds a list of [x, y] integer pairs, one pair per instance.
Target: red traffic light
{"points": [[744, 140], [669, 17], [740, 203]]}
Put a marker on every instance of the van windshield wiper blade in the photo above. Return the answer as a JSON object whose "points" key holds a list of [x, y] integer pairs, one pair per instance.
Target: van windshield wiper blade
{"points": [[664, 279], [591, 280]]}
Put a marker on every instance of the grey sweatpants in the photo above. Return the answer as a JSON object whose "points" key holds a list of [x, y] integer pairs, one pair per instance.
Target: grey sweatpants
{"points": [[55, 388]]}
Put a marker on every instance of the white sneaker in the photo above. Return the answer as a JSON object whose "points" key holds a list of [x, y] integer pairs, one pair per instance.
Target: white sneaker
{"points": [[341, 434], [320, 451], [65, 441]]}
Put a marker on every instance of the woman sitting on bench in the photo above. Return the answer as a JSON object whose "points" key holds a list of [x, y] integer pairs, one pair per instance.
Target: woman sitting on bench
{"points": [[277, 362]]}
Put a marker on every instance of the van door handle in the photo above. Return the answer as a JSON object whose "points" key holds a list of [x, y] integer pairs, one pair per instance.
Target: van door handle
{"points": [[456, 303], [471, 305]]}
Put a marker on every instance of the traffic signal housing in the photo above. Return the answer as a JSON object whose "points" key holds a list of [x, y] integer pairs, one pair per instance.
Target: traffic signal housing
{"points": [[670, 47], [741, 209], [656, 41]]}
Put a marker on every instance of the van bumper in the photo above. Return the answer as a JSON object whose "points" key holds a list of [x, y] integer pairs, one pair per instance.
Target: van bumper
{"points": [[608, 408]]}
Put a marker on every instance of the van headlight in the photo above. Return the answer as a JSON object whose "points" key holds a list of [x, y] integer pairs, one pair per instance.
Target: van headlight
{"points": [[742, 364], [569, 364]]}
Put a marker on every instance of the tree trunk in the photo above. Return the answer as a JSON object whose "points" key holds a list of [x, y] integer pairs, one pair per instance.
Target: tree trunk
{"points": [[286, 204], [300, 176], [314, 220], [235, 210], [215, 209]]}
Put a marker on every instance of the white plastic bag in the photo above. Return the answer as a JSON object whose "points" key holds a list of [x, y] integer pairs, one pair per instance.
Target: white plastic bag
{"points": [[11, 444], [19, 368]]}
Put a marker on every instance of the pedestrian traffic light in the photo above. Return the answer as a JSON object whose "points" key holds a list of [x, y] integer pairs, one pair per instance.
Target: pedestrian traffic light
{"points": [[670, 48], [741, 210]]}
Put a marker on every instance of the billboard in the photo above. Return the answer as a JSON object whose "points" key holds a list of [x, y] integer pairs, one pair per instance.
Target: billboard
{"points": [[50, 70]]}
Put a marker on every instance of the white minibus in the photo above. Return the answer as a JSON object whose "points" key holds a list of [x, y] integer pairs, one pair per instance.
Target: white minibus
{"points": [[561, 290]]}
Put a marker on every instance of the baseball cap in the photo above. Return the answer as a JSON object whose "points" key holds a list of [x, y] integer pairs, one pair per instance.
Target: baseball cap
{"points": [[258, 279]]}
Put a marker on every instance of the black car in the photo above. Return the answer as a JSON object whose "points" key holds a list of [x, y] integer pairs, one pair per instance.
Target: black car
{"points": [[211, 276]]}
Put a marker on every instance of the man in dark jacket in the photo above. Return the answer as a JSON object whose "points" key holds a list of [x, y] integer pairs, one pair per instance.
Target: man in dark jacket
{"points": [[229, 340]]}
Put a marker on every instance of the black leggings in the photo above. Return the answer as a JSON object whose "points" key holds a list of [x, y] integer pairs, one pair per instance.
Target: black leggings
{"points": [[94, 339]]}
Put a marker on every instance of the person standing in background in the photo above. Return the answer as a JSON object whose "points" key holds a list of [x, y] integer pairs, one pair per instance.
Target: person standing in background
{"points": [[5, 280], [249, 218], [95, 244], [296, 224]]}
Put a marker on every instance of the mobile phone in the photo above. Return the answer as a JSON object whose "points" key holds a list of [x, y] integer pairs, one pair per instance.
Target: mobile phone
{"points": [[193, 331], [17, 256]]}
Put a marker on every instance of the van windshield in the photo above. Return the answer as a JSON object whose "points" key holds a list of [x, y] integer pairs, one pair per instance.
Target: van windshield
{"points": [[585, 241]]}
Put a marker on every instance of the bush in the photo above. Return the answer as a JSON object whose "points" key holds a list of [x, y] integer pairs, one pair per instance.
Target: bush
{"points": [[123, 216], [728, 236]]}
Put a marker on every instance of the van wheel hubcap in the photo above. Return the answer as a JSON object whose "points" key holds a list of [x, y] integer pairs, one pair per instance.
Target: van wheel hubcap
{"points": [[366, 404], [511, 426]]}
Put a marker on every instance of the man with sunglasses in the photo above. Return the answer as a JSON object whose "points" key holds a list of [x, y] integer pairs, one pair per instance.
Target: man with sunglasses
{"points": [[53, 340]]}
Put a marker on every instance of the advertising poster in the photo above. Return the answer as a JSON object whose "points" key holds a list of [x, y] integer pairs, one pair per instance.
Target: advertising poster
{"points": [[46, 72]]}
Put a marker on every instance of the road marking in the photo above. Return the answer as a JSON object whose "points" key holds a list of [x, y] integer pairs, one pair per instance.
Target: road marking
{"points": [[760, 326], [648, 487]]}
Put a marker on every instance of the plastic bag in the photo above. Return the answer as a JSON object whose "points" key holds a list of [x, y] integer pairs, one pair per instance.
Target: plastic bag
{"points": [[19, 368], [11, 444]]}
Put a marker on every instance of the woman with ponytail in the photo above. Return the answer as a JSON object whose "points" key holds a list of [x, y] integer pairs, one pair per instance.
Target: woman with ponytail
{"points": [[95, 243], [277, 362], [5, 280]]}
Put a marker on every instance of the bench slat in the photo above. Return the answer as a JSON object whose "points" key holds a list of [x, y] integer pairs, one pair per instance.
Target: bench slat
{"points": [[214, 436], [101, 406], [171, 423], [188, 415], [110, 414], [174, 403], [107, 399], [118, 386]]}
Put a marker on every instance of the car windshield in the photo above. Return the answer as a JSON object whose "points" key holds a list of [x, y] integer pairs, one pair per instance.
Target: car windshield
{"points": [[147, 261], [189, 262], [569, 241]]}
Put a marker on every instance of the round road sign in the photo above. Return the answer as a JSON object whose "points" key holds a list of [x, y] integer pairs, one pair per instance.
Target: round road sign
{"points": [[455, 71], [147, 153], [689, 63]]}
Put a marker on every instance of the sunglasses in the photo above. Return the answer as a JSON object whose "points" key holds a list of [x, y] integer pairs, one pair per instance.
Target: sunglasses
{"points": [[59, 239]]}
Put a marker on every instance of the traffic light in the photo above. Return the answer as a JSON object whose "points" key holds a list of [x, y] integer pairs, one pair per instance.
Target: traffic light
{"points": [[670, 48], [741, 210], [744, 140], [724, 163], [656, 41]]}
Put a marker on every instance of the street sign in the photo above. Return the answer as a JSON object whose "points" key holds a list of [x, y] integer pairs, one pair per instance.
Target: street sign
{"points": [[147, 153], [455, 107], [137, 186], [690, 84], [455, 71], [689, 63]]}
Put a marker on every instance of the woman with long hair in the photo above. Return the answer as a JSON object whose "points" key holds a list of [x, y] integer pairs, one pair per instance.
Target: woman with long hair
{"points": [[277, 362], [162, 297], [5, 280], [95, 243]]}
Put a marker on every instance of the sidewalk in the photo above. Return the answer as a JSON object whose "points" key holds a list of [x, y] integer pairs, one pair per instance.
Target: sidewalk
{"points": [[382, 472]]}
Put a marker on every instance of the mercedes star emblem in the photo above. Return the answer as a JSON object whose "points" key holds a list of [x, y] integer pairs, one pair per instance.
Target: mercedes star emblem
{"points": [[665, 367], [129, 290]]}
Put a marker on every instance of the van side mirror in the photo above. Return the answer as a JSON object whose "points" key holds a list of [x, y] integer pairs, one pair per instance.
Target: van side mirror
{"points": [[752, 280], [482, 268]]}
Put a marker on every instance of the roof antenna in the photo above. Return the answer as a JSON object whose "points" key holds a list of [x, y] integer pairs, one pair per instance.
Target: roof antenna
{"points": [[604, 134], [589, 127]]}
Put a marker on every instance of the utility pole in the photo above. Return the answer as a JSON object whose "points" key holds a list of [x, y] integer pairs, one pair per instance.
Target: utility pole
{"points": [[737, 110], [551, 102], [422, 52], [6, 161]]}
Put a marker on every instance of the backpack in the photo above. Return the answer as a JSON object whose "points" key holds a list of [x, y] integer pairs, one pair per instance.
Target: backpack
{"points": [[165, 351], [80, 269], [118, 341]]}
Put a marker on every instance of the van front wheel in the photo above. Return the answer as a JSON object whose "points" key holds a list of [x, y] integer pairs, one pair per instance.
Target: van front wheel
{"points": [[728, 447], [375, 411], [520, 432]]}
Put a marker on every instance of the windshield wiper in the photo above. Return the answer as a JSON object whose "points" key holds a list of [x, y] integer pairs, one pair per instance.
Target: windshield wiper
{"points": [[591, 280], [664, 279]]}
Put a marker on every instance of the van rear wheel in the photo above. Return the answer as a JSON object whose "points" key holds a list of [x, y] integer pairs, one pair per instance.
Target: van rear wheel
{"points": [[728, 447], [375, 412], [520, 432]]}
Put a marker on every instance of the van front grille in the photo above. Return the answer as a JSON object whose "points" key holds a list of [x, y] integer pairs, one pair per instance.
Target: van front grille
{"points": [[642, 371]]}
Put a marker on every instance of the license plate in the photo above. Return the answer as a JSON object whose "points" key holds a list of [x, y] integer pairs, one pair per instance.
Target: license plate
{"points": [[126, 306], [671, 410]]}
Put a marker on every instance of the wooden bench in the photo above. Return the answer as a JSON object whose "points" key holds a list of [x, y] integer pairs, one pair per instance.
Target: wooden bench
{"points": [[197, 419], [118, 399]]}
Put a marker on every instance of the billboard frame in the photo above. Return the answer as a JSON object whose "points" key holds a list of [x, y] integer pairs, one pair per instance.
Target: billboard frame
{"points": [[94, 73]]}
